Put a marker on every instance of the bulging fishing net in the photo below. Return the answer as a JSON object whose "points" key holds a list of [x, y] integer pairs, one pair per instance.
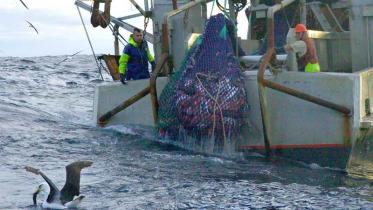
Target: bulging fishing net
{"points": [[206, 97]]}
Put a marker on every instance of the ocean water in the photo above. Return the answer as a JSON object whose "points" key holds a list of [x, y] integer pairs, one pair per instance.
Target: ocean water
{"points": [[45, 122]]}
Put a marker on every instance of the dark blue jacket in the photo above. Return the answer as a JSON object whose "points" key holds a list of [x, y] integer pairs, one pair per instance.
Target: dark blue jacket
{"points": [[134, 60]]}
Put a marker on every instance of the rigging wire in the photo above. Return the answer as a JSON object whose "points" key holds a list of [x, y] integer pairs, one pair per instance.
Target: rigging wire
{"points": [[90, 43], [117, 33], [100, 58], [237, 4]]}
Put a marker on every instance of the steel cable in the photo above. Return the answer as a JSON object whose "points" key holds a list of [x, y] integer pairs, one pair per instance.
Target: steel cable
{"points": [[90, 43]]}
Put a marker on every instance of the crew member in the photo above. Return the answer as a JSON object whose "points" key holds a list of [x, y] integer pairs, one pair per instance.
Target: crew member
{"points": [[133, 63], [307, 62]]}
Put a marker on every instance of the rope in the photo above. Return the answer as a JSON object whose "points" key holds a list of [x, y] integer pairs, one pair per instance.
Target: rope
{"points": [[215, 99], [102, 65], [223, 8], [90, 43], [286, 17], [185, 18]]}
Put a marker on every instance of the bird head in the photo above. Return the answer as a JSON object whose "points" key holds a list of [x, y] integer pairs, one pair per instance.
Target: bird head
{"points": [[42, 189]]}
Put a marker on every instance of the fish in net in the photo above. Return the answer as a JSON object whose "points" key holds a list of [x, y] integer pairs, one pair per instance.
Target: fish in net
{"points": [[206, 97]]}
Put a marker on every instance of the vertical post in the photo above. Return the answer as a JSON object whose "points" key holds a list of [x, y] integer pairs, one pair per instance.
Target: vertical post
{"points": [[360, 40], [146, 5], [303, 12], [254, 3], [153, 85], [204, 12], [248, 16], [174, 4], [116, 40], [261, 87], [367, 28], [232, 14], [265, 122]]}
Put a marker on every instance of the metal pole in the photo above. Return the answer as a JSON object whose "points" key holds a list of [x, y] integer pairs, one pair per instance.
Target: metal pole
{"points": [[153, 85], [174, 4], [130, 16], [303, 12], [307, 97], [260, 76], [263, 104], [138, 7], [116, 40], [249, 23], [146, 5]]}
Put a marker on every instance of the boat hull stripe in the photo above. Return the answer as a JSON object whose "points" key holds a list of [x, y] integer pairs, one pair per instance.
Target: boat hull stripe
{"points": [[295, 146]]}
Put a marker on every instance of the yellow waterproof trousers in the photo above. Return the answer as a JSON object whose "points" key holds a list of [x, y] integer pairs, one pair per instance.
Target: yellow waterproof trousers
{"points": [[312, 67]]}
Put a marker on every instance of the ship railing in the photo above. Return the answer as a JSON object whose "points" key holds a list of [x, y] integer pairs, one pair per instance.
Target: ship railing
{"points": [[263, 83], [151, 89]]}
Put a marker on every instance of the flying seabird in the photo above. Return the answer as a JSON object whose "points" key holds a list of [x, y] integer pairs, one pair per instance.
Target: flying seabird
{"points": [[32, 26], [68, 57], [23, 4], [63, 199]]}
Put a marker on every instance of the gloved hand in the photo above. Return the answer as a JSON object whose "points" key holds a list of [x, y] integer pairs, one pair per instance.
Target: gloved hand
{"points": [[153, 65], [123, 78]]}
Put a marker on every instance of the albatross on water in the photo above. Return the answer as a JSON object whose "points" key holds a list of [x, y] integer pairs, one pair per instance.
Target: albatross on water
{"points": [[63, 199]]}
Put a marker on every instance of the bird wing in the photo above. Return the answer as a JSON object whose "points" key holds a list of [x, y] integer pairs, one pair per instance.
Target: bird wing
{"points": [[74, 203], [32, 26], [54, 192], [72, 184], [70, 56], [23, 4], [56, 64], [76, 53]]}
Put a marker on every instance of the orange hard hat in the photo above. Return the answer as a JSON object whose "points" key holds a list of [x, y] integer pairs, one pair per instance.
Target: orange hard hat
{"points": [[300, 28]]}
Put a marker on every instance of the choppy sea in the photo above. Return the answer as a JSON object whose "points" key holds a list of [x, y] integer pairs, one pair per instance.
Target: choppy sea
{"points": [[46, 122]]}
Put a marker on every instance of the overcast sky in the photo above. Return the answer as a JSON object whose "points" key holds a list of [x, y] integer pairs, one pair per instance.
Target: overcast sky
{"points": [[60, 29]]}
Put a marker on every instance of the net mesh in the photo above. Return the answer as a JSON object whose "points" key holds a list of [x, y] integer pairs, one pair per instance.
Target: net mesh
{"points": [[206, 97]]}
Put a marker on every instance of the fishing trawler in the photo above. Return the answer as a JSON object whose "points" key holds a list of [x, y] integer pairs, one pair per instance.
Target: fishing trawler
{"points": [[322, 118]]}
